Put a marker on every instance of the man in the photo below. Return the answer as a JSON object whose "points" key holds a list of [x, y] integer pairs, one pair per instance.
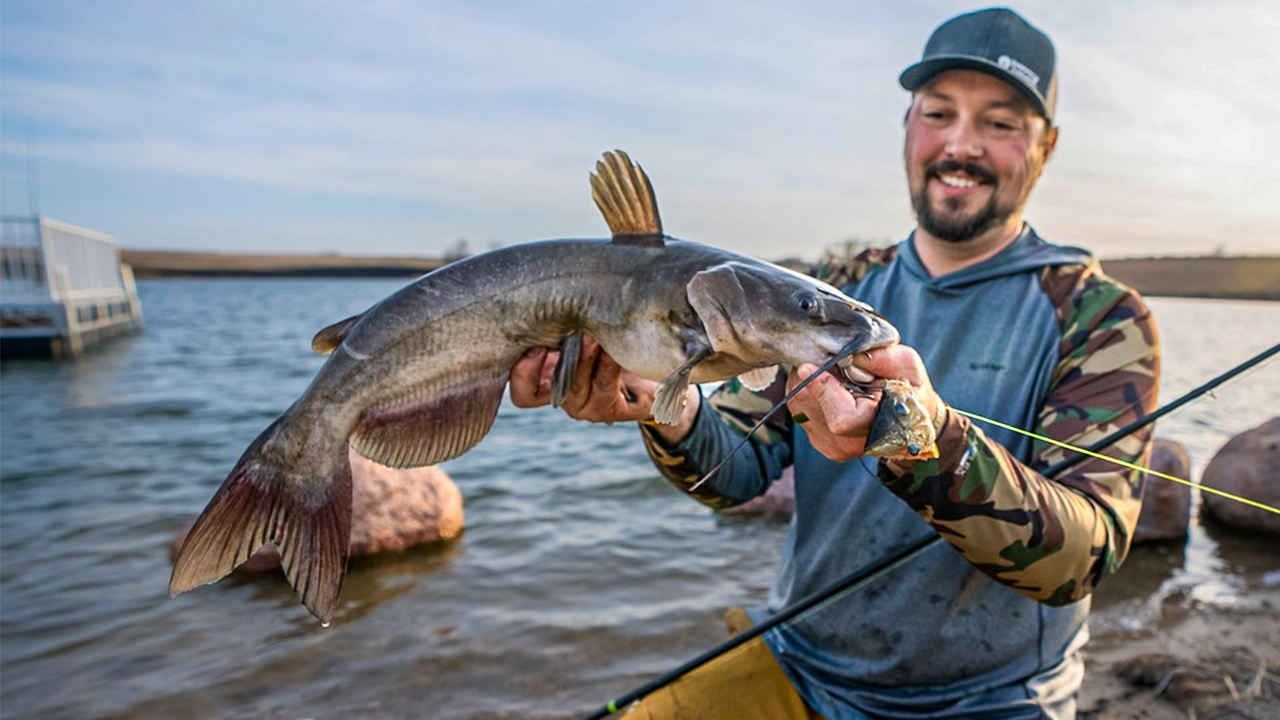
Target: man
{"points": [[994, 320]]}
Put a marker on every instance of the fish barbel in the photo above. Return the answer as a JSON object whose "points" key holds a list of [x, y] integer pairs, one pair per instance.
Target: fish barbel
{"points": [[417, 379]]}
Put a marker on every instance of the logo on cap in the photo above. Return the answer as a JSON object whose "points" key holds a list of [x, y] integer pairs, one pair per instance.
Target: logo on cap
{"points": [[1017, 69]]}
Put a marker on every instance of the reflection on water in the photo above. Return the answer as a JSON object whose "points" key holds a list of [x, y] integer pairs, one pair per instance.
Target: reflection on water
{"points": [[581, 573], [1159, 585]]}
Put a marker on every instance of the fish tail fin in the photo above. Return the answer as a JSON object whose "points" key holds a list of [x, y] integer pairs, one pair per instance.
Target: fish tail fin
{"points": [[307, 519]]}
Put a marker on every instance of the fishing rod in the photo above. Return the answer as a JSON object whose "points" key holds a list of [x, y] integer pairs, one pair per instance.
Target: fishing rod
{"points": [[858, 579], [1186, 398]]}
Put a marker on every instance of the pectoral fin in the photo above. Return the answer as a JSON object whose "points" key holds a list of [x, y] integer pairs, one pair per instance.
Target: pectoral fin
{"points": [[759, 379], [328, 339], [673, 392], [566, 368]]}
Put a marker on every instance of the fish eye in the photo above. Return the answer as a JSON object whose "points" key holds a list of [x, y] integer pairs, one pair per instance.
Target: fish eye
{"points": [[807, 303]]}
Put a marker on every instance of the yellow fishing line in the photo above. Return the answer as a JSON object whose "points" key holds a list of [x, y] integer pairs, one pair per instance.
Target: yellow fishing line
{"points": [[1132, 466]]}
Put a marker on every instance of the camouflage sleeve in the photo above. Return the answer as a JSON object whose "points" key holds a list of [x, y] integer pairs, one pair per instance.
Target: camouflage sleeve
{"points": [[847, 272], [1053, 540], [723, 420]]}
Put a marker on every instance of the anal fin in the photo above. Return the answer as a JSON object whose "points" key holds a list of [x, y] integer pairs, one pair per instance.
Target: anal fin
{"points": [[433, 424]]}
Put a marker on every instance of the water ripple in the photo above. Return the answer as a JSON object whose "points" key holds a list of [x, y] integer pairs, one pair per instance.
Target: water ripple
{"points": [[581, 574]]}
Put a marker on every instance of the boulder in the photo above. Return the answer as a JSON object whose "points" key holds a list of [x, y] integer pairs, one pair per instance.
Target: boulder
{"points": [[390, 510], [1247, 466], [1166, 506]]}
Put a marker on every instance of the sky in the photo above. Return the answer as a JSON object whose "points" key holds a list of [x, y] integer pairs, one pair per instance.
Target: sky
{"points": [[774, 129]]}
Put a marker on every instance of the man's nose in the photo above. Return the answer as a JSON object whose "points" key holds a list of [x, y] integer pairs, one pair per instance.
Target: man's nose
{"points": [[963, 141]]}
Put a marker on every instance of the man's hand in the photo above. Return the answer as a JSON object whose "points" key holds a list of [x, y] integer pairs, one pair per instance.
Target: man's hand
{"points": [[838, 421], [602, 391]]}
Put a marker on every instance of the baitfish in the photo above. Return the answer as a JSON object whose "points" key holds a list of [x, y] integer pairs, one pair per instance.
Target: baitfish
{"points": [[901, 429], [417, 379]]}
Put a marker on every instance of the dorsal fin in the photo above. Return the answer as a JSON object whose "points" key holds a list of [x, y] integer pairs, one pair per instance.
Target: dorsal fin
{"points": [[625, 197], [328, 339]]}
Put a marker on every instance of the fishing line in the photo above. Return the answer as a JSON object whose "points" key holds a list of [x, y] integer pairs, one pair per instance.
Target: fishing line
{"points": [[845, 352], [1186, 398], [856, 580], [1123, 463]]}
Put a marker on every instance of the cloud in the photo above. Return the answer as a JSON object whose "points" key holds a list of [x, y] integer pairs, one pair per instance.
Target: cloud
{"points": [[759, 124]]}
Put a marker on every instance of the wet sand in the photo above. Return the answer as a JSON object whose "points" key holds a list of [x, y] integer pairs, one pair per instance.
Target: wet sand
{"points": [[1192, 647]]}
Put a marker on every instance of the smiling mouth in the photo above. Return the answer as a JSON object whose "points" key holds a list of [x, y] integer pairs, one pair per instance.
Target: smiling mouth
{"points": [[958, 181], [961, 176]]}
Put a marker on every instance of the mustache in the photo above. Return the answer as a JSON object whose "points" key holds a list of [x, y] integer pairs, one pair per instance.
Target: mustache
{"points": [[973, 170]]}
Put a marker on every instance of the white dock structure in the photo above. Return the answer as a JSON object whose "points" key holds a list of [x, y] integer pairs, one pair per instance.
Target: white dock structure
{"points": [[62, 289]]}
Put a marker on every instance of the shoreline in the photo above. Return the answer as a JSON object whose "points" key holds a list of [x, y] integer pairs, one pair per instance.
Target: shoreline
{"points": [[152, 264], [1226, 278]]}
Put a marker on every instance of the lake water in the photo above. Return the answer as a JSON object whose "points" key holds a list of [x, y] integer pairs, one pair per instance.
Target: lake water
{"points": [[580, 576]]}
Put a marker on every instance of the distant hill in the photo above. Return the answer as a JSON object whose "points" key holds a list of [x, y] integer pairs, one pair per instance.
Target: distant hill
{"points": [[1241, 278], [158, 264], [1251, 278]]}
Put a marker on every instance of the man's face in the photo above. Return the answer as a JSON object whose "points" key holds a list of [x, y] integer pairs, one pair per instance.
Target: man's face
{"points": [[974, 149]]}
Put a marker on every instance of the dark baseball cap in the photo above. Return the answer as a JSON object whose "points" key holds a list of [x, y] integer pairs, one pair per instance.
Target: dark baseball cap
{"points": [[998, 42]]}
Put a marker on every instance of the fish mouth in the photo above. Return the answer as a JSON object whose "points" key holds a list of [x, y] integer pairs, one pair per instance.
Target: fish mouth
{"points": [[852, 372], [852, 360], [859, 329], [849, 371]]}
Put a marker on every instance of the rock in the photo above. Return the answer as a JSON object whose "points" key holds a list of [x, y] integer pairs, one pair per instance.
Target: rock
{"points": [[779, 500], [391, 510], [397, 509], [1166, 506], [1247, 466]]}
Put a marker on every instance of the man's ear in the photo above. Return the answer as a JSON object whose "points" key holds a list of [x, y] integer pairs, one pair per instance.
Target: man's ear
{"points": [[1050, 142]]}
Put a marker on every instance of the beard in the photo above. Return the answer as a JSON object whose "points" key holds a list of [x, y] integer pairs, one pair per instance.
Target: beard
{"points": [[952, 227]]}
